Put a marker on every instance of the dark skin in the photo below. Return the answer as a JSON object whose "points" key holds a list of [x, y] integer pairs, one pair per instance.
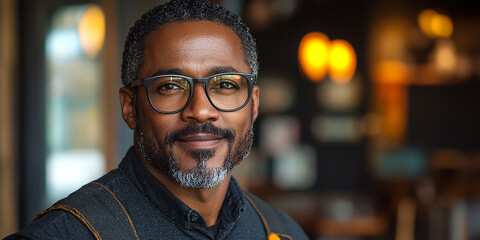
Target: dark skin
{"points": [[194, 49]]}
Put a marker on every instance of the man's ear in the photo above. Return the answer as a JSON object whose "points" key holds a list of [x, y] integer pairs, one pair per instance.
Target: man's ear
{"points": [[256, 101], [128, 107]]}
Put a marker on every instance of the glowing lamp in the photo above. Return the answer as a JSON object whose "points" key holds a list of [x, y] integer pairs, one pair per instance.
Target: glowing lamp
{"points": [[442, 26], [424, 21], [435, 25], [313, 55], [91, 30], [342, 61]]}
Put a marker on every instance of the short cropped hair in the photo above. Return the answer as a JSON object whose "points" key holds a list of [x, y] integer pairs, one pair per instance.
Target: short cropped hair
{"points": [[178, 11]]}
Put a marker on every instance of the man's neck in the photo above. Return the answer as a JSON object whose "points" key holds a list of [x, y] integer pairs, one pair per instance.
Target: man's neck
{"points": [[207, 201]]}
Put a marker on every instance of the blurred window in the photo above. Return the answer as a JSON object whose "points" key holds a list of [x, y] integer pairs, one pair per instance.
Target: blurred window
{"points": [[74, 110]]}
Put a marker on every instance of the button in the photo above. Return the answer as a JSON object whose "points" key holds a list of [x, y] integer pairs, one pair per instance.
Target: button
{"points": [[273, 236], [194, 218]]}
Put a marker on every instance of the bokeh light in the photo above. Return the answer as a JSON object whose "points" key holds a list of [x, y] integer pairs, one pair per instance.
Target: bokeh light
{"points": [[444, 58], [343, 61], [92, 30], [391, 71], [340, 97], [313, 55], [442, 26], [424, 21], [435, 25]]}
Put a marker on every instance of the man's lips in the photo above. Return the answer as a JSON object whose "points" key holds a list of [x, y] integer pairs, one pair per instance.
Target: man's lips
{"points": [[200, 140]]}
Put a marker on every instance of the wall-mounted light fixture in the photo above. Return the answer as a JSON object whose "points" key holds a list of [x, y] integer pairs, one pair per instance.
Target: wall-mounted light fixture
{"points": [[313, 55], [343, 61], [434, 24], [317, 56]]}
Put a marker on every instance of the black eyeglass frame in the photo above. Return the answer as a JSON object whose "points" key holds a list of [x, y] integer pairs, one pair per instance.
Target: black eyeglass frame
{"points": [[251, 80]]}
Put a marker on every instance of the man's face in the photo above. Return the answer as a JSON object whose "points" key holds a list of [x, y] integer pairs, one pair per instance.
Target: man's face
{"points": [[198, 146]]}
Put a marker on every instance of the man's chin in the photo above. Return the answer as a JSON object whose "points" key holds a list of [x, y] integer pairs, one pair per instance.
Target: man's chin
{"points": [[199, 179], [208, 170]]}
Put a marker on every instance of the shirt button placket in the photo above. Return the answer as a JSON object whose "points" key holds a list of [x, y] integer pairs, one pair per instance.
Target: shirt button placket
{"points": [[194, 218]]}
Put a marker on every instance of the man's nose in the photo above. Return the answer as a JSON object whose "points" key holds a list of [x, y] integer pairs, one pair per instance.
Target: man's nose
{"points": [[199, 109]]}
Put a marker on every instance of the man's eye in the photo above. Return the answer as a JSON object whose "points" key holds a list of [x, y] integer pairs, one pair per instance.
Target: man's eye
{"points": [[226, 85], [223, 84], [168, 86]]}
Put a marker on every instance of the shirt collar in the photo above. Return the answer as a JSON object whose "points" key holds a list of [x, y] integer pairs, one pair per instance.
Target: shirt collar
{"points": [[170, 206]]}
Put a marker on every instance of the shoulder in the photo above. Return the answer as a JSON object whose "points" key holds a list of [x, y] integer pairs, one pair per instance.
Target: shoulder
{"points": [[295, 231], [55, 224], [277, 220]]}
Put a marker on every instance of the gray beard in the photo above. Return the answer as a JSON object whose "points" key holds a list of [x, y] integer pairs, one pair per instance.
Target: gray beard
{"points": [[198, 176]]}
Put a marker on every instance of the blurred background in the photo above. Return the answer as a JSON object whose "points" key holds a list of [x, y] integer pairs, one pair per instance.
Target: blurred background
{"points": [[369, 125]]}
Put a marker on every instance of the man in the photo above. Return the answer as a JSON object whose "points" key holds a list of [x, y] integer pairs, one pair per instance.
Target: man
{"points": [[189, 71]]}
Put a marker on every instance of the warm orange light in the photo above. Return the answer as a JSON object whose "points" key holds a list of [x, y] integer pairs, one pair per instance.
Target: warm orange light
{"points": [[444, 57], [343, 61], [273, 236], [442, 26], [391, 72], [424, 21], [435, 25], [313, 55], [91, 30]]}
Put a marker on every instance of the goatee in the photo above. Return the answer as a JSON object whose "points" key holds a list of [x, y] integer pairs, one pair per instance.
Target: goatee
{"points": [[199, 176]]}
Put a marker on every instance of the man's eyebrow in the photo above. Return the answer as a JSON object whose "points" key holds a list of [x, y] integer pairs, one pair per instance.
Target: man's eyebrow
{"points": [[170, 71], [178, 71], [222, 69]]}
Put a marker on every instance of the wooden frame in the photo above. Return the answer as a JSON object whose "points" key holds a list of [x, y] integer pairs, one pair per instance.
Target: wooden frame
{"points": [[8, 126]]}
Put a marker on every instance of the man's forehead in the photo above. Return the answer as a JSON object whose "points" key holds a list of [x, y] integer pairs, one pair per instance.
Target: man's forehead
{"points": [[186, 45], [194, 35], [194, 27]]}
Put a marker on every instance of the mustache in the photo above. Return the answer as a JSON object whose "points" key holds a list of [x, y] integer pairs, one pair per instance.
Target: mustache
{"points": [[197, 128]]}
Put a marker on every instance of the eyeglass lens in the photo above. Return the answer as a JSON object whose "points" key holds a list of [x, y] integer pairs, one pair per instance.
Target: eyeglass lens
{"points": [[226, 92]]}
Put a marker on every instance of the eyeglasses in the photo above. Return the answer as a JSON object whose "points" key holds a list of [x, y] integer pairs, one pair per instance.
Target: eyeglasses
{"points": [[172, 93]]}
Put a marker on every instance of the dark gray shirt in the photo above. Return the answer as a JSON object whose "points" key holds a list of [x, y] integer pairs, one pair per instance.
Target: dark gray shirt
{"points": [[157, 213]]}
